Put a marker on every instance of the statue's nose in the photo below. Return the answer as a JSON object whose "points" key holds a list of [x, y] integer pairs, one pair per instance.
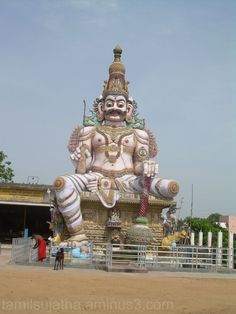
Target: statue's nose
{"points": [[115, 105]]}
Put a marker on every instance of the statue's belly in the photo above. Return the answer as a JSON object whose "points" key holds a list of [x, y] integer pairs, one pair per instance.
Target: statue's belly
{"points": [[114, 164]]}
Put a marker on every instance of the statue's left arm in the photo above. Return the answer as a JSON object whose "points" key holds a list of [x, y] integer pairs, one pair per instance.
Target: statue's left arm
{"points": [[141, 152]]}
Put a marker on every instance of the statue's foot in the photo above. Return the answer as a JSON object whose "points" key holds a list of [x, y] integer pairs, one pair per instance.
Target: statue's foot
{"points": [[77, 240]]}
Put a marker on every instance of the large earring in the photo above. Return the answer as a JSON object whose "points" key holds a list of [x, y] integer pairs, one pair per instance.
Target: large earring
{"points": [[129, 113], [100, 113], [100, 117], [128, 117]]}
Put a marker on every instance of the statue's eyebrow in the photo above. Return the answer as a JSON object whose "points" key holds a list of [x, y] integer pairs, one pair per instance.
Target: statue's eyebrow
{"points": [[118, 98]]}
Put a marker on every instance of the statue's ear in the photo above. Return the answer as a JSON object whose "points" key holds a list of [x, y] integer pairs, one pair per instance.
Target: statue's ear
{"points": [[129, 113], [100, 113]]}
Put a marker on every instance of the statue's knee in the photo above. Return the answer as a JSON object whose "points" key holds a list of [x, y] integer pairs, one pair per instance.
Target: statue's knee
{"points": [[59, 183], [173, 188], [167, 188]]}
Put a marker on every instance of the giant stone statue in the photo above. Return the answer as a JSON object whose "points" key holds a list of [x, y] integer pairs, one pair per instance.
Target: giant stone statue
{"points": [[111, 153]]}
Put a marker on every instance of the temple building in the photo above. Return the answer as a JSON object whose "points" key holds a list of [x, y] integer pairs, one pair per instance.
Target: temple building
{"points": [[22, 207], [27, 207]]}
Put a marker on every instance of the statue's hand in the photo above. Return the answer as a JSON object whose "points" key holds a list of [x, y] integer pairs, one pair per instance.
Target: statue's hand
{"points": [[82, 151], [150, 168], [76, 155], [92, 185]]}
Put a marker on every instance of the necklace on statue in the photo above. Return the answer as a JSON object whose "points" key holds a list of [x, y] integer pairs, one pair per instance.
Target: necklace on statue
{"points": [[113, 133]]}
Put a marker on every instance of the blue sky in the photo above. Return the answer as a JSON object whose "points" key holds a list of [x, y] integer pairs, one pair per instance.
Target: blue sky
{"points": [[180, 61]]}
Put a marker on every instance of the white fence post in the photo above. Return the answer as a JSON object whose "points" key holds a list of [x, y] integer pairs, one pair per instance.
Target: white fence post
{"points": [[231, 250], [209, 239], [219, 248], [200, 238], [192, 239]]}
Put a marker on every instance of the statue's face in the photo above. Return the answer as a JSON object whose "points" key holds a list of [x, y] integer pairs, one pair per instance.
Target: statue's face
{"points": [[115, 108]]}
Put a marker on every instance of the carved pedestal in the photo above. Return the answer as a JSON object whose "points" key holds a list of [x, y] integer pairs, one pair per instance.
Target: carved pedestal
{"points": [[100, 229]]}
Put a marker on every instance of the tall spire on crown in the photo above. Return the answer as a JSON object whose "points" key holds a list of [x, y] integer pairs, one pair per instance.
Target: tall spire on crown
{"points": [[116, 84]]}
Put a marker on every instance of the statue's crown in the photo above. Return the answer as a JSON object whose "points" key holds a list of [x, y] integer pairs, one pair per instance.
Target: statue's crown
{"points": [[116, 83]]}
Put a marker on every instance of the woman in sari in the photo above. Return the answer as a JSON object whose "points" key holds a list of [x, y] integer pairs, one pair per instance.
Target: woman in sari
{"points": [[41, 245]]}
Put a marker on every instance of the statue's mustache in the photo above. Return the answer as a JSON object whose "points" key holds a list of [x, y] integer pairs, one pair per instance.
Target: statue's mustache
{"points": [[116, 111]]}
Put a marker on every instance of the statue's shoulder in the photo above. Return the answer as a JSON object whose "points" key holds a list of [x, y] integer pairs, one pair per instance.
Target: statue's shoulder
{"points": [[80, 134], [141, 134], [87, 130]]}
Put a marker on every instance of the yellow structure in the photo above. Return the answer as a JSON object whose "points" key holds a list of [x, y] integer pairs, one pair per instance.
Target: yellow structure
{"points": [[28, 206], [24, 206], [96, 217]]}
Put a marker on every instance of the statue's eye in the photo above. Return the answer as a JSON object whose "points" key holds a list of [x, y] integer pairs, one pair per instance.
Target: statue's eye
{"points": [[121, 104], [109, 104]]}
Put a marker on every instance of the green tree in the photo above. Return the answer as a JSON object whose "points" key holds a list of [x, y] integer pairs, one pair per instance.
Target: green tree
{"points": [[6, 172], [205, 225], [214, 217]]}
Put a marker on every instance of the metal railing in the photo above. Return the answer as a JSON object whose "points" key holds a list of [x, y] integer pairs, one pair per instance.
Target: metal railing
{"points": [[21, 250], [133, 256], [193, 257], [158, 257], [72, 255], [125, 256]]}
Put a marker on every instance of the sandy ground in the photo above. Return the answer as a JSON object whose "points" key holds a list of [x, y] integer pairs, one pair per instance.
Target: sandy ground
{"points": [[32, 289]]}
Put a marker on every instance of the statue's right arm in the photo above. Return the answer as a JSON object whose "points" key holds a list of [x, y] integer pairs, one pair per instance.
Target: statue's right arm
{"points": [[84, 147]]}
